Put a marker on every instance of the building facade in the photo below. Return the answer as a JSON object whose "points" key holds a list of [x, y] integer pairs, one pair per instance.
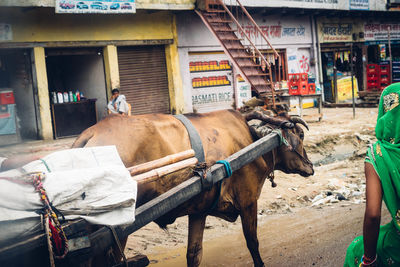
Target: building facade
{"points": [[199, 51], [43, 53]]}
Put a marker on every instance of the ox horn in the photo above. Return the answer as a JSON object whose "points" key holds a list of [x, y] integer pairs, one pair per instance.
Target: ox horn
{"points": [[297, 119], [274, 121]]}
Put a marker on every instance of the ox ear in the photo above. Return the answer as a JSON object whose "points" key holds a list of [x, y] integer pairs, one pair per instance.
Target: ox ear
{"points": [[297, 119]]}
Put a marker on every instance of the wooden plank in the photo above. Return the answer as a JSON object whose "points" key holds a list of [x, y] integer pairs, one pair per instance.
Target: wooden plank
{"points": [[155, 174], [20, 248], [145, 167]]}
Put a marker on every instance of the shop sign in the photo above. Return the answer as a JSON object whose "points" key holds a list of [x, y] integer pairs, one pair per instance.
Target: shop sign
{"points": [[359, 4], [345, 89], [95, 6], [377, 31], [320, 4], [243, 91], [5, 32], [336, 32], [211, 76], [274, 31]]}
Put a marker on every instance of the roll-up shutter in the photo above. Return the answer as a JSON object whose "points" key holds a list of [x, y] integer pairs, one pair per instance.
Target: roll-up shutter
{"points": [[143, 78]]}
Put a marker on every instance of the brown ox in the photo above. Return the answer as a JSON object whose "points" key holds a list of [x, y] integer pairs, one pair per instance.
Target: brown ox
{"points": [[148, 137]]}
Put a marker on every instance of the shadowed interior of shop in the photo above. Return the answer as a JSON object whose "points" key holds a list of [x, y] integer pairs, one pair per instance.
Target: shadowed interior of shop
{"points": [[336, 65], [76, 81], [18, 114]]}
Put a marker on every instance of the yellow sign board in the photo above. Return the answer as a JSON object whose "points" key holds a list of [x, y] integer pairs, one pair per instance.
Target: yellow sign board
{"points": [[344, 88]]}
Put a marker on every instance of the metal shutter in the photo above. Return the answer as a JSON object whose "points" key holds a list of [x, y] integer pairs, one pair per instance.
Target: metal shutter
{"points": [[144, 79]]}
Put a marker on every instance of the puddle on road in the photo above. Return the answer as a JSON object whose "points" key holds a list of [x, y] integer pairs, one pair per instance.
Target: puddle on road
{"points": [[336, 149]]}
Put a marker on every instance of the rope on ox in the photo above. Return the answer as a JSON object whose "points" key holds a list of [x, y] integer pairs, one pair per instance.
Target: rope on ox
{"points": [[55, 234]]}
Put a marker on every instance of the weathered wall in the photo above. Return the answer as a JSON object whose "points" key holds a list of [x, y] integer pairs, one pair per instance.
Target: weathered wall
{"points": [[111, 68], [140, 4], [43, 25], [375, 5], [193, 33], [41, 28], [40, 77], [289, 33]]}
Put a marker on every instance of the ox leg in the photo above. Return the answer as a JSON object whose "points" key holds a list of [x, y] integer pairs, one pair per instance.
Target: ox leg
{"points": [[195, 239], [249, 225]]}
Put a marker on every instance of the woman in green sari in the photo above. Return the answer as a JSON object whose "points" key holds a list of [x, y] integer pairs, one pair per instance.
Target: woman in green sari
{"points": [[380, 246]]}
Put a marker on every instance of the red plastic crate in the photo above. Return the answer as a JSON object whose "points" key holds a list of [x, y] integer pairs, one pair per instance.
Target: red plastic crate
{"points": [[303, 88], [384, 79], [294, 89], [293, 83], [311, 88], [298, 83], [7, 97], [372, 75], [384, 69], [373, 69], [303, 77]]}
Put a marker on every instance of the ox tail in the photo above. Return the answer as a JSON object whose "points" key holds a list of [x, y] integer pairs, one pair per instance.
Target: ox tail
{"points": [[83, 138]]}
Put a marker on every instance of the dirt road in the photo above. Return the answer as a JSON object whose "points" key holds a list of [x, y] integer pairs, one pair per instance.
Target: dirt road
{"points": [[301, 222], [306, 237]]}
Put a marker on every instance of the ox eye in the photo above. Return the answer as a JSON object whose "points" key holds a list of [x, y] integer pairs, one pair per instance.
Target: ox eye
{"points": [[302, 135]]}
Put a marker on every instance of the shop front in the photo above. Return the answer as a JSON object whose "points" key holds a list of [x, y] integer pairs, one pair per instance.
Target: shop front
{"points": [[383, 54], [77, 59], [144, 78], [210, 79], [340, 44], [18, 119], [77, 88]]}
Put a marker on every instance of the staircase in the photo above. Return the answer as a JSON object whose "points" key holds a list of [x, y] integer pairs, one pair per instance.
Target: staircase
{"points": [[239, 47]]}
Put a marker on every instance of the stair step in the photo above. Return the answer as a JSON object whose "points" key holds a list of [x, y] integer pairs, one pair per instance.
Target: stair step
{"points": [[236, 46], [262, 89], [229, 38], [216, 11], [219, 20], [257, 82], [225, 30], [258, 74], [243, 56], [247, 63]]}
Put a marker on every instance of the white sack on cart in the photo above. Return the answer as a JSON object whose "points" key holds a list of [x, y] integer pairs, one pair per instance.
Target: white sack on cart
{"points": [[90, 183]]}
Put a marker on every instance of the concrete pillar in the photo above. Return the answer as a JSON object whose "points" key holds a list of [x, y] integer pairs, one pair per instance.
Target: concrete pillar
{"points": [[111, 68], [174, 74], [40, 79]]}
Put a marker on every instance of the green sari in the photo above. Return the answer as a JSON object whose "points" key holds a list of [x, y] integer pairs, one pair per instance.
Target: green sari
{"points": [[384, 155]]}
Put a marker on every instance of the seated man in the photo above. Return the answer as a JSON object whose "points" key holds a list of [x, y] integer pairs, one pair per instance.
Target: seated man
{"points": [[118, 104]]}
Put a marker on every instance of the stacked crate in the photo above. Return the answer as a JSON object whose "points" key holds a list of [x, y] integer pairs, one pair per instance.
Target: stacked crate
{"points": [[373, 77], [298, 84], [384, 75]]}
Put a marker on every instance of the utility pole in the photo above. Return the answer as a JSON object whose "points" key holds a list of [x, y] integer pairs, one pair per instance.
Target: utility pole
{"points": [[390, 53], [352, 81]]}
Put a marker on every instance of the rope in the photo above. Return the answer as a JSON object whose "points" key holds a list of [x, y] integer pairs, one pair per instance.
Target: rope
{"points": [[282, 139], [118, 244], [227, 166], [45, 164], [56, 238]]}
